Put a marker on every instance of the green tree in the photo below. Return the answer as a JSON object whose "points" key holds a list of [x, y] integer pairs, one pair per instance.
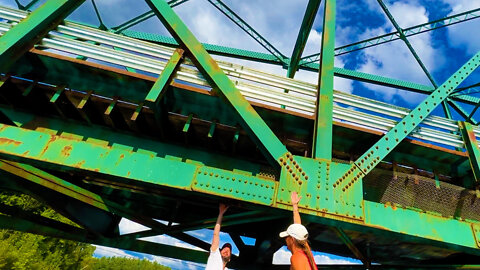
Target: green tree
{"points": [[118, 263], [28, 251]]}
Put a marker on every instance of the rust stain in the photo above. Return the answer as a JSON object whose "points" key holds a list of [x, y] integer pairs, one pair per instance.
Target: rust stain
{"points": [[9, 141], [128, 173], [79, 164], [25, 153], [97, 170], [52, 139], [66, 150], [122, 156]]}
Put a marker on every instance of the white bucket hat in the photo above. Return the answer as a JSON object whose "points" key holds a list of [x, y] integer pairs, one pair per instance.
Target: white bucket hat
{"points": [[297, 231]]}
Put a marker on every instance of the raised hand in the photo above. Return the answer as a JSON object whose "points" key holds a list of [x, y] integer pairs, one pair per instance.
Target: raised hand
{"points": [[294, 198]]}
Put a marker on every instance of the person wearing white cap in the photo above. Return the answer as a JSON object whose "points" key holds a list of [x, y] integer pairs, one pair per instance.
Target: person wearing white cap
{"points": [[296, 237], [218, 258]]}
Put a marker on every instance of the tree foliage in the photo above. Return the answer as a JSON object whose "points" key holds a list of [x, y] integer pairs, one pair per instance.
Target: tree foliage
{"points": [[27, 251], [117, 263]]}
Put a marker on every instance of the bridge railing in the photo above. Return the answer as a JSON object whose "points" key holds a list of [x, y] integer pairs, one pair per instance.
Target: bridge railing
{"points": [[256, 85]]}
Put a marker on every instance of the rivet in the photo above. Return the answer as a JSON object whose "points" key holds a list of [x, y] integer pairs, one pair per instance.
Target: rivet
{"points": [[299, 182], [211, 174], [334, 185], [216, 175], [306, 177], [205, 173]]}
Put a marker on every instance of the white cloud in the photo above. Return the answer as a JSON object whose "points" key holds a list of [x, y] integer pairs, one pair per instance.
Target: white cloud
{"points": [[282, 256], [128, 226], [394, 59], [102, 251], [461, 35]]}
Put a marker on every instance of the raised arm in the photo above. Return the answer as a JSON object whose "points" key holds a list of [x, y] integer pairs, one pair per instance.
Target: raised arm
{"points": [[216, 231], [295, 199]]}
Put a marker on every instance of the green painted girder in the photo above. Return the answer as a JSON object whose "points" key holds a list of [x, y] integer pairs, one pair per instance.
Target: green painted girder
{"points": [[53, 229], [143, 17], [247, 28], [414, 53], [102, 25], [458, 108], [213, 49], [20, 38], [323, 129], [268, 58], [90, 157], [365, 163], [165, 78], [471, 144], [404, 38], [410, 31], [15, 211], [303, 33], [187, 254], [270, 145], [49, 181], [410, 86]]}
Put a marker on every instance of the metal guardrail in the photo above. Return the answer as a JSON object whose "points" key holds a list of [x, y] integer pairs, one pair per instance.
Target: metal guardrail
{"points": [[255, 85]]}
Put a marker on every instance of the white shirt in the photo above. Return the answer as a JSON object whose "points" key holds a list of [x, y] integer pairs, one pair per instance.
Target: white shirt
{"points": [[215, 261]]}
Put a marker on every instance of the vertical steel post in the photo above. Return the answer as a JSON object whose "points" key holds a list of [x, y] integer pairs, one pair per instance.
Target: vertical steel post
{"points": [[322, 140], [471, 144]]}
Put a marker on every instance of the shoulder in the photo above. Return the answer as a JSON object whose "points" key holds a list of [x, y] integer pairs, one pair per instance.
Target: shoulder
{"points": [[298, 260]]}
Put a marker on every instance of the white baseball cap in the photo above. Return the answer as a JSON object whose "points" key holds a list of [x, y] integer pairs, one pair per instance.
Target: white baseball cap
{"points": [[297, 231]]}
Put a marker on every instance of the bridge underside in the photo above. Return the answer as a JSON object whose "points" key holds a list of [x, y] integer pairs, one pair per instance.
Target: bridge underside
{"points": [[85, 138]]}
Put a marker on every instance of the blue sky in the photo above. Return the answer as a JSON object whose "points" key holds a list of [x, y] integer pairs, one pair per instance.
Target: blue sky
{"points": [[442, 51]]}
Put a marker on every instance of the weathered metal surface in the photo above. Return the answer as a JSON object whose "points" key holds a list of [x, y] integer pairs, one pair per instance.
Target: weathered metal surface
{"points": [[471, 144], [391, 139], [222, 84], [322, 138], [303, 33], [24, 35], [160, 87]]}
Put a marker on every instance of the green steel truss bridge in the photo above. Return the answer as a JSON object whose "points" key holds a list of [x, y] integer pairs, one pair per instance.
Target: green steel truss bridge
{"points": [[105, 123]]}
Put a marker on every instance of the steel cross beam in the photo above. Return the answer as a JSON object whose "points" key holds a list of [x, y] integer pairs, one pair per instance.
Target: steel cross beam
{"points": [[90, 156], [39, 177], [248, 29], [410, 31], [21, 37], [322, 138], [338, 72], [102, 25], [303, 33], [27, 226], [404, 38], [143, 17], [270, 145], [414, 53], [364, 164]]}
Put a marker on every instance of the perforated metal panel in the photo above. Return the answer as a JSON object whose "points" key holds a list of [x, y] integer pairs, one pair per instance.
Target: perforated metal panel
{"points": [[415, 191]]}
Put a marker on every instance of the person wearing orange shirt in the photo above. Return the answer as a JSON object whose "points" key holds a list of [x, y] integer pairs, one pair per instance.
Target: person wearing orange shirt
{"points": [[296, 237]]}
